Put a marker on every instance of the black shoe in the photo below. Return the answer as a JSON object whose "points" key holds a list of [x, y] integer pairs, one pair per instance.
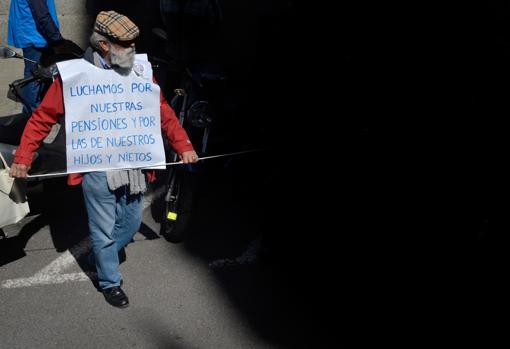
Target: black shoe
{"points": [[115, 296]]}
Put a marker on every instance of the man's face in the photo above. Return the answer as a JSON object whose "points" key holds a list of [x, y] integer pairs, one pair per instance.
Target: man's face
{"points": [[121, 55]]}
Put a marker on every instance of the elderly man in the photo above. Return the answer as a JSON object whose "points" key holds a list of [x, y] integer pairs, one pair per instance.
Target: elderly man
{"points": [[113, 199]]}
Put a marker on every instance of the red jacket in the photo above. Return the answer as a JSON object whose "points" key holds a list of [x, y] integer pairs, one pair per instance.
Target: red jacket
{"points": [[52, 108]]}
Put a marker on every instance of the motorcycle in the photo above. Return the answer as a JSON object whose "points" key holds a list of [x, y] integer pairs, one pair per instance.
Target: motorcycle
{"points": [[197, 114], [211, 109], [50, 158]]}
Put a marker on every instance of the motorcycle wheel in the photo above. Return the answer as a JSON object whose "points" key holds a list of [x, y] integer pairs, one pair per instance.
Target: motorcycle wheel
{"points": [[178, 207]]}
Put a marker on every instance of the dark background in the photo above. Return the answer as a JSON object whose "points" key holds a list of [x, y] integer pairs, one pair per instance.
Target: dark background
{"points": [[300, 82], [372, 193]]}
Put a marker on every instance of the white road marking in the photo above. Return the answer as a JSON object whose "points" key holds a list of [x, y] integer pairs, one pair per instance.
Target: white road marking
{"points": [[44, 279], [249, 256], [52, 273]]}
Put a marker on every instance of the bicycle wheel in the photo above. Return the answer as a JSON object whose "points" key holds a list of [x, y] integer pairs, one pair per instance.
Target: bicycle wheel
{"points": [[178, 206]]}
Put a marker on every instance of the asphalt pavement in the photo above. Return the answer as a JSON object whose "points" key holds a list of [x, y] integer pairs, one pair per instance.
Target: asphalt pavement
{"points": [[212, 291]]}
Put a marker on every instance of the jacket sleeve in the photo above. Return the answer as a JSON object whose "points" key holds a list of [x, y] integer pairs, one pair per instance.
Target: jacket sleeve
{"points": [[44, 22], [39, 125], [172, 129]]}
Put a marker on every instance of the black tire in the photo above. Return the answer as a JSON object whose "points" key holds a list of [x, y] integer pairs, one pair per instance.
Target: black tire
{"points": [[176, 230]]}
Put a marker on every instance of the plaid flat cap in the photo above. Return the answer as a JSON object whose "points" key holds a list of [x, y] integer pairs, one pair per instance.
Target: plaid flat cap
{"points": [[116, 26]]}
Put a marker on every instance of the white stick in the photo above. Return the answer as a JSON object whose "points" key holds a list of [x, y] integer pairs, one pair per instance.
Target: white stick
{"points": [[153, 167]]}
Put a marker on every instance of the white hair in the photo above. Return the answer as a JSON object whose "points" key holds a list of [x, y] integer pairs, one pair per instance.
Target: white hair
{"points": [[95, 38]]}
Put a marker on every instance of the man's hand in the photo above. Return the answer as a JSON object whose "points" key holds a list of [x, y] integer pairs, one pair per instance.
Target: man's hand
{"points": [[189, 157], [19, 170]]}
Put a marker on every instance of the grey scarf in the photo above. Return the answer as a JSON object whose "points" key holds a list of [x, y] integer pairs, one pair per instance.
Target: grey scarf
{"points": [[134, 178], [118, 178]]}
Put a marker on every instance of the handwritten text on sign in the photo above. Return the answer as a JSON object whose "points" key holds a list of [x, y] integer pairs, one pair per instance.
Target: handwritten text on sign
{"points": [[112, 121]]}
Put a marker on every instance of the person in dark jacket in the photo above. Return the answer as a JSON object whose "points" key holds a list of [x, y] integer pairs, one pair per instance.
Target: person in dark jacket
{"points": [[113, 198], [33, 26]]}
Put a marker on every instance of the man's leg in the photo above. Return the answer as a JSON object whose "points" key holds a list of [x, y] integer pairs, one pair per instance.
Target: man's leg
{"points": [[101, 204], [129, 218], [31, 92]]}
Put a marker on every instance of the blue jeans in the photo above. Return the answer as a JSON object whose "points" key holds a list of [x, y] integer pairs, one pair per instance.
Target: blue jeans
{"points": [[114, 217], [32, 91]]}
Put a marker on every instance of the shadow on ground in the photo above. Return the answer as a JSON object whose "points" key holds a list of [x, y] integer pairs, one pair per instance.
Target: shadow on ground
{"points": [[277, 272], [52, 204]]}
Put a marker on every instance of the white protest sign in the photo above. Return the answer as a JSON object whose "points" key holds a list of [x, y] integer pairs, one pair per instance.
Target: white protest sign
{"points": [[112, 121]]}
